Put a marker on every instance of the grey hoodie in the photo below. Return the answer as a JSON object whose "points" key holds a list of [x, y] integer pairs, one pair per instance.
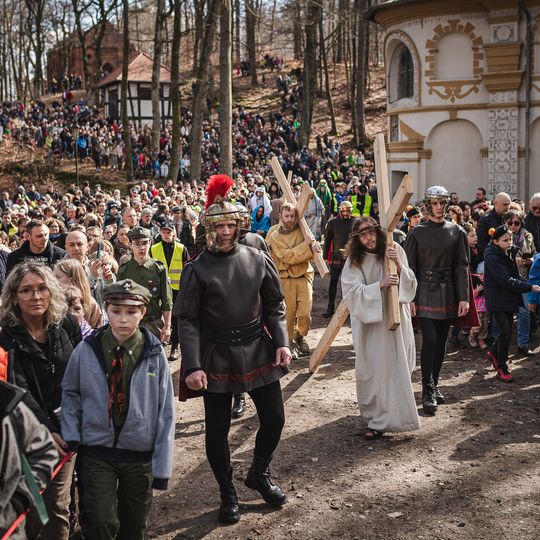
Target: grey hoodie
{"points": [[150, 421]]}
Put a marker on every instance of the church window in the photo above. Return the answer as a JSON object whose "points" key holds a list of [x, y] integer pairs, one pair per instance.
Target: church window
{"points": [[405, 74]]}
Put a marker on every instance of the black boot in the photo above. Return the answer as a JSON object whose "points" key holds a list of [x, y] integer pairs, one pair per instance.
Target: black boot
{"points": [[329, 311], [229, 511], [258, 478], [239, 406], [438, 394], [429, 399]]}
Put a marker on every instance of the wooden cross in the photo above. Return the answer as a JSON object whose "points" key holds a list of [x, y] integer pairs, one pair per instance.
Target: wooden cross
{"points": [[301, 205], [390, 212]]}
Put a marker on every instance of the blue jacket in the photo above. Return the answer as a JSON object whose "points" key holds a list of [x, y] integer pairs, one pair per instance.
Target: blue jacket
{"points": [[150, 421], [534, 279], [503, 287]]}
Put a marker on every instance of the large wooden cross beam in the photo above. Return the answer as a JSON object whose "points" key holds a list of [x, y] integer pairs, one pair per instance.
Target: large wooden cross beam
{"points": [[390, 212], [301, 205]]}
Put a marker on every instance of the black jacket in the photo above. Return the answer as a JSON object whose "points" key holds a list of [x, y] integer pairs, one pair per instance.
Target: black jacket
{"points": [[51, 254], [39, 374], [486, 222], [502, 285], [532, 224]]}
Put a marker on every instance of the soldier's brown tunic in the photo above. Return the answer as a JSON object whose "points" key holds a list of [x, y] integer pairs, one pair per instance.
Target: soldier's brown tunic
{"points": [[439, 256], [222, 296]]}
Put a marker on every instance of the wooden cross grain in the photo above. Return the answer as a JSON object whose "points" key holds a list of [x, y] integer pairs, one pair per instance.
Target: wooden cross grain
{"points": [[390, 212], [301, 205]]}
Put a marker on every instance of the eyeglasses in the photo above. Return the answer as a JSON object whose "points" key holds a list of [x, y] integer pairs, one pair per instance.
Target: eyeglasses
{"points": [[535, 208], [28, 293], [510, 223]]}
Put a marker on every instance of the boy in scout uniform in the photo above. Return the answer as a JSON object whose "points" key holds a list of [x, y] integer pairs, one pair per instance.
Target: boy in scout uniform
{"points": [[118, 412], [145, 271], [174, 255]]}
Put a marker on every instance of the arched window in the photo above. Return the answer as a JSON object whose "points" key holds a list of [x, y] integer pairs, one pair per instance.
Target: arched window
{"points": [[405, 74]]}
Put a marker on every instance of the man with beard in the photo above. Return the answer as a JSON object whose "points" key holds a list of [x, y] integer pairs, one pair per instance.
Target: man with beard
{"points": [[438, 254], [336, 237], [292, 253], [231, 319]]}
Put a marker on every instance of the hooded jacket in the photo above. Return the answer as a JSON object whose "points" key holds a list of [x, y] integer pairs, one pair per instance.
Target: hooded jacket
{"points": [[148, 431], [51, 254], [502, 284]]}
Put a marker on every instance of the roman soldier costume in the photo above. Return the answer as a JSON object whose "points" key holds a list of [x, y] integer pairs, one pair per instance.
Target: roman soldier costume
{"points": [[232, 320]]}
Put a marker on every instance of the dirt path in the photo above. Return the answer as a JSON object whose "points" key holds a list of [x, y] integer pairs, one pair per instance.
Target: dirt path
{"points": [[471, 472]]}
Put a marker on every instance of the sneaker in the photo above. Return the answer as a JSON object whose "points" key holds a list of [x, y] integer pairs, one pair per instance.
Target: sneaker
{"points": [[175, 354], [302, 346], [503, 374], [525, 351], [473, 340], [294, 350]]}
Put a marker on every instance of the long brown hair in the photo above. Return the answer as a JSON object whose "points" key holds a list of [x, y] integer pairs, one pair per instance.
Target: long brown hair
{"points": [[356, 250]]}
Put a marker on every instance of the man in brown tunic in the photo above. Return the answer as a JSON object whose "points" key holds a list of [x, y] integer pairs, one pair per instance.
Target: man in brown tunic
{"points": [[234, 339], [439, 256]]}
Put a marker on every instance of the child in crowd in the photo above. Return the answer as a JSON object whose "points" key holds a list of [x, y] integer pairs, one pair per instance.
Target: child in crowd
{"points": [[504, 290], [479, 334], [118, 410], [74, 299]]}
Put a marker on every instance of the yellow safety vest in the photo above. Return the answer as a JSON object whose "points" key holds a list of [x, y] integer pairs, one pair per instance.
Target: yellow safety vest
{"points": [[175, 269], [367, 206]]}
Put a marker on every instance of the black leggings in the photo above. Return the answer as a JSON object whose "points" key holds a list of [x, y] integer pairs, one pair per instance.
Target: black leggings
{"points": [[434, 336], [504, 320], [217, 412], [335, 273]]}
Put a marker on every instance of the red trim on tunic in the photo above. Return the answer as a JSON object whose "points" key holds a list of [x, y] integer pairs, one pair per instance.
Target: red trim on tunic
{"points": [[222, 377]]}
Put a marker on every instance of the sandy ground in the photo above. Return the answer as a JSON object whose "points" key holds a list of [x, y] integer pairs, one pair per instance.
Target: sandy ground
{"points": [[472, 471]]}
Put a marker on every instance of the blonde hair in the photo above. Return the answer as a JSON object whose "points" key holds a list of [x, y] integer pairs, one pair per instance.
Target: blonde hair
{"points": [[75, 271], [10, 314], [72, 294]]}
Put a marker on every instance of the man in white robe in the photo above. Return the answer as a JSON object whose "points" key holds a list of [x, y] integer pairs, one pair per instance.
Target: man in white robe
{"points": [[384, 360]]}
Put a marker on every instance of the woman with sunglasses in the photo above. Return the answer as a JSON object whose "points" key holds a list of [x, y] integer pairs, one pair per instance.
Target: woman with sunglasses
{"points": [[40, 337], [524, 252]]}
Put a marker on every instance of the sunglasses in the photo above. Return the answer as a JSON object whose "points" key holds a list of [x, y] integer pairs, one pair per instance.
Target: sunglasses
{"points": [[514, 222], [536, 208]]}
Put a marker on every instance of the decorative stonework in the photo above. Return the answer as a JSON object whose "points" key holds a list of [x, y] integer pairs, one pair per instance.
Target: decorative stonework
{"points": [[451, 27], [453, 90], [501, 33], [503, 97], [503, 150]]}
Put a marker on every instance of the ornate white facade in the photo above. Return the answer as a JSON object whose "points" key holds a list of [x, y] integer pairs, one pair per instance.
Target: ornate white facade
{"points": [[457, 94]]}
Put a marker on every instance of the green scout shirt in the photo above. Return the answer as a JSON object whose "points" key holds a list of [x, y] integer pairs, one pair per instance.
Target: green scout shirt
{"points": [[133, 349], [152, 275]]}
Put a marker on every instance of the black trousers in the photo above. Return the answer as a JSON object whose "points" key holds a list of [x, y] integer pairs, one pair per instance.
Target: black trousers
{"points": [[504, 320], [434, 336], [217, 413], [335, 273], [174, 323]]}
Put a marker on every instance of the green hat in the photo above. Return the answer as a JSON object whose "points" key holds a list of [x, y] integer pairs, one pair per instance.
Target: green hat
{"points": [[139, 232], [127, 293]]}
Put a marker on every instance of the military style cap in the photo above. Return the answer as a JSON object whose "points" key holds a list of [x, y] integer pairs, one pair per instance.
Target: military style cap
{"points": [[139, 232], [126, 293], [167, 224]]}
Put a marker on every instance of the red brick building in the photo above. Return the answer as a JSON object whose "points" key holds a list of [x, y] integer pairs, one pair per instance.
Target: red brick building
{"points": [[66, 57]]}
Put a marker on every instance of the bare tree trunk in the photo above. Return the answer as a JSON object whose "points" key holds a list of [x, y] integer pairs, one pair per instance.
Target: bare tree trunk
{"points": [[251, 23], [35, 32], [199, 92], [273, 21], [77, 12], [331, 109], [297, 30], [176, 150], [156, 67], [124, 94], [359, 73], [199, 29], [225, 88], [309, 88], [237, 38]]}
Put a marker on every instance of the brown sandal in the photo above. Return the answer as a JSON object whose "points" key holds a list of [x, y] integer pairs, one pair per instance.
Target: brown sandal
{"points": [[372, 434]]}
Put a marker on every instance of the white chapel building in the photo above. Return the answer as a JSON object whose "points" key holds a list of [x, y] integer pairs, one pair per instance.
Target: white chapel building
{"points": [[463, 80]]}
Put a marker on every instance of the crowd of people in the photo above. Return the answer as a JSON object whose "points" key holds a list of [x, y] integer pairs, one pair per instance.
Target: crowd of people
{"points": [[95, 283]]}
